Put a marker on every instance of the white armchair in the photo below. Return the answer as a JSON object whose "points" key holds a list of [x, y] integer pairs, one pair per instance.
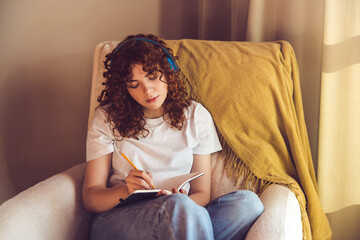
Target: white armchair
{"points": [[53, 209]]}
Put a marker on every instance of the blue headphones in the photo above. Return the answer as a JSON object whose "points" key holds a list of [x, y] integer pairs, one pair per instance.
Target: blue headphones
{"points": [[169, 58]]}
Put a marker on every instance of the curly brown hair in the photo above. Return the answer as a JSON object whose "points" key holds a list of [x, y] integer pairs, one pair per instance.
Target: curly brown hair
{"points": [[125, 115]]}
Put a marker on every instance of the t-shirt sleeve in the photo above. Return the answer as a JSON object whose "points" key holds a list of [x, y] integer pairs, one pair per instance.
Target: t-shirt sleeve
{"points": [[100, 139], [208, 140]]}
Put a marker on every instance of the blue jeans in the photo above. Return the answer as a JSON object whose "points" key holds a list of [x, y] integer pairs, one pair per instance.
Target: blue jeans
{"points": [[233, 214], [176, 216]]}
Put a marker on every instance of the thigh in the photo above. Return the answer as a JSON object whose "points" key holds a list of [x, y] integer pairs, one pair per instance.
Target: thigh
{"points": [[125, 222], [233, 214]]}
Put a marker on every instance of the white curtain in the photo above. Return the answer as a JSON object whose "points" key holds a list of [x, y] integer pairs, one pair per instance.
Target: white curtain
{"points": [[325, 35], [339, 139]]}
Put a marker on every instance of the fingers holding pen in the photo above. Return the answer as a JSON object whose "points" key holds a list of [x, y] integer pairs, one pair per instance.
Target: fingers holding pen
{"points": [[138, 180]]}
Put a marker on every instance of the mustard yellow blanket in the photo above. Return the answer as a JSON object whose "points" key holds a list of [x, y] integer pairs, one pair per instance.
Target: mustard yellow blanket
{"points": [[253, 92]]}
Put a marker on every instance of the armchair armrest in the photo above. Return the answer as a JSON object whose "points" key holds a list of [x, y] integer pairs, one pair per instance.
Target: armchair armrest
{"points": [[52, 209], [281, 219]]}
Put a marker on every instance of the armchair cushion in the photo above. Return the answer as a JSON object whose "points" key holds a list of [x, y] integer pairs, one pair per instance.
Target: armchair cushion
{"points": [[51, 209], [281, 218]]}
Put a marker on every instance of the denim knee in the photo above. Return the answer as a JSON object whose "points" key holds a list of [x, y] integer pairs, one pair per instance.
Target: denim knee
{"points": [[181, 201], [233, 214], [251, 200], [239, 201], [186, 219], [176, 199]]}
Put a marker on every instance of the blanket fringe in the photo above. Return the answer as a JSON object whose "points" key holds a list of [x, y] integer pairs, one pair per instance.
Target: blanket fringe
{"points": [[245, 179], [242, 175]]}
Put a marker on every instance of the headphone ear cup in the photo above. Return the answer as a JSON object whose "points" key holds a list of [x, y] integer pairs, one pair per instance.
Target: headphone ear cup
{"points": [[171, 63]]}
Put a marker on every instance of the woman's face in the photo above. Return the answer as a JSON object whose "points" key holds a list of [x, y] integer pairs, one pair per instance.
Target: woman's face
{"points": [[149, 90]]}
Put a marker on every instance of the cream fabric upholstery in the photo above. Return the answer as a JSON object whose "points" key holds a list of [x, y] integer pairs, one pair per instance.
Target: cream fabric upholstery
{"points": [[51, 209]]}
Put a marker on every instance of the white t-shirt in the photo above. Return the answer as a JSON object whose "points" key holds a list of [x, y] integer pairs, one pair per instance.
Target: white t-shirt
{"points": [[165, 152]]}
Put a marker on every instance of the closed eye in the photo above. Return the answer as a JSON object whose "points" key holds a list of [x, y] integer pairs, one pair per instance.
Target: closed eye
{"points": [[133, 84], [153, 77]]}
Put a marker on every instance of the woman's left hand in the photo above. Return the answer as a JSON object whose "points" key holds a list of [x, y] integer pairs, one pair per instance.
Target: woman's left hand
{"points": [[174, 190]]}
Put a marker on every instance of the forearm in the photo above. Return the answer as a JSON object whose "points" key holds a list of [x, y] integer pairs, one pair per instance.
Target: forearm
{"points": [[100, 199], [200, 187]]}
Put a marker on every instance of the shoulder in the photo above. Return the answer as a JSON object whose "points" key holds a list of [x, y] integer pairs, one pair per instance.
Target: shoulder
{"points": [[100, 119], [100, 112], [196, 110], [204, 129]]}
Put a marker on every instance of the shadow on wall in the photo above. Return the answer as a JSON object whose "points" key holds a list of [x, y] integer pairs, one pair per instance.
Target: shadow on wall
{"points": [[179, 19], [44, 105], [207, 20]]}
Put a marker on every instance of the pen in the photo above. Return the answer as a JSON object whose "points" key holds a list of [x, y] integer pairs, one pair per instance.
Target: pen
{"points": [[129, 161]]}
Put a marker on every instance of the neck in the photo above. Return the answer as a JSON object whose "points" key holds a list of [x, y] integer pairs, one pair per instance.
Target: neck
{"points": [[151, 114]]}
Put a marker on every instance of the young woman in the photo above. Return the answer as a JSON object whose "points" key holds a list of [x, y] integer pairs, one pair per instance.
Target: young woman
{"points": [[144, 112]]}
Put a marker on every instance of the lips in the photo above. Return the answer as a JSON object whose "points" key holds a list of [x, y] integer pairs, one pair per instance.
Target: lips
{"points": [[151, 100]]}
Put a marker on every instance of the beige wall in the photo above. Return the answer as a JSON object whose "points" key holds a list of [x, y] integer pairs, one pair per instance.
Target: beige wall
{"points": [[46, 54], [46, 49]]}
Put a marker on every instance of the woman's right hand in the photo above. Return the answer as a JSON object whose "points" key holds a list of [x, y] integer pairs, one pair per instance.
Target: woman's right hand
{"points": [[138, 180]]}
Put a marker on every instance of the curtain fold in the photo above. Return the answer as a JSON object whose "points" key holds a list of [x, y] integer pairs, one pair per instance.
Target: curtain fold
{"points": [[339, 138], [223, 20]]}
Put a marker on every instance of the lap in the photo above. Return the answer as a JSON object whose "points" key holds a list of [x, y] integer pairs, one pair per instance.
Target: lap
{"points": [[227, 217], [149, 219]]}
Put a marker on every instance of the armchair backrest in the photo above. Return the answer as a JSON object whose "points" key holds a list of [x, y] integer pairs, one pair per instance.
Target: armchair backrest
{"points": [[101, 50]]}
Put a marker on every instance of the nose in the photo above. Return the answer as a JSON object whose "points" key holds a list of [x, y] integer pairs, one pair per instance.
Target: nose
{"points": [[148, 87]]}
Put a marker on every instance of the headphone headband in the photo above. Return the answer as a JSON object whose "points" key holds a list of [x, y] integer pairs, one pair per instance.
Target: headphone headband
{"points": [[169, 58]]}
